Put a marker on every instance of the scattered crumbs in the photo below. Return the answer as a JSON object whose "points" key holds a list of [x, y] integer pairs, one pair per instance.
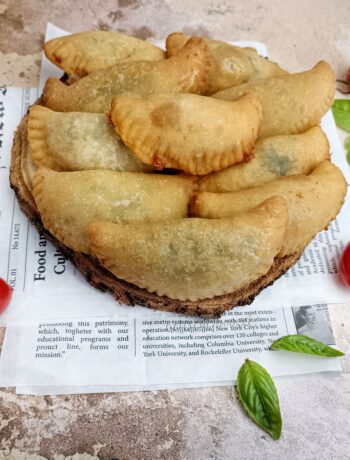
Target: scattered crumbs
{"points": [[115, 15], [143, 33], [103, 26], [128, 4]]}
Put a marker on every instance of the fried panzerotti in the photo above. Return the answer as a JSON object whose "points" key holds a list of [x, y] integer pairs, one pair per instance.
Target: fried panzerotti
{"points": [[231, 65], [186, 72], [292, 103], [76, 141], [196, 134], [274, 157], [87, 52], [69, 201], [193, 258], [313, 201]]}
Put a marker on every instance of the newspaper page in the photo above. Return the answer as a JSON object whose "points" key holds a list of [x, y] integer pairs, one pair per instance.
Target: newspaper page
{"points": [[54, 357], [48, 286]]}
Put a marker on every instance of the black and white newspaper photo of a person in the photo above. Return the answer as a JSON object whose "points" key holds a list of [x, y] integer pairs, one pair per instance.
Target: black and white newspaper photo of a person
{"points": [[310, 321]]}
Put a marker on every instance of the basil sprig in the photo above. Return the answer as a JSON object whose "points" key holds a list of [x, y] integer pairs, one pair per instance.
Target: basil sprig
{"points": [[256, 390], [302, 344], [257, 394]]}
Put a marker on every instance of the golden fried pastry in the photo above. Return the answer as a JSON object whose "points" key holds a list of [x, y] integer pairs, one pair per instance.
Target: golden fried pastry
{"points": [[292, 103], [274, 157], [231, 65], [193, 258], [69, 201], [171, 242], [76, 141], [196, 134], [87, 52], [186, 72], [313, 201]]}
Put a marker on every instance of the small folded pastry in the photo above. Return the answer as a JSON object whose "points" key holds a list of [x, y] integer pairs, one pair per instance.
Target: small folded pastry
{"points": [[193, 258], [274, 157], [69, 201], [187, 73], [313, 202], [77, 141], [291, 103], [87, 52], [196, 134], [231, 65]]}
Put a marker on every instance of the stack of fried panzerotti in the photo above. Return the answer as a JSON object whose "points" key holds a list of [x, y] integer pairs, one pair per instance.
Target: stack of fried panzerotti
{"points": [[185, 181]]}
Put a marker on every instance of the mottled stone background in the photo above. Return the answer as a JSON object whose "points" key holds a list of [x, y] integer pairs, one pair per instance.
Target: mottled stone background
{"points": [[298, 33], [186, 424]]}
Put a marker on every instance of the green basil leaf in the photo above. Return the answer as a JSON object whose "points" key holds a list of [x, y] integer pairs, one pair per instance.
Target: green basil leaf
{"points": [[348, 156], [347, 143], [342, 105], [258, 396], [347, 147], [299, 343], [341, 112]]}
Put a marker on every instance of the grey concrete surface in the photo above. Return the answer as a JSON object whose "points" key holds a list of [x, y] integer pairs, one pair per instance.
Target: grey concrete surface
{"points": [[183, 424]]}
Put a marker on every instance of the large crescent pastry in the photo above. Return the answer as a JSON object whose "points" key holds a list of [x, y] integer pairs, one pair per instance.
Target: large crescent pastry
{"points": [[184, 259], [87, 52], [313, 201], [187, 72], [196, 134], [291, 103], [274, 157], [117, 197], [77, 141], [231, 65]]}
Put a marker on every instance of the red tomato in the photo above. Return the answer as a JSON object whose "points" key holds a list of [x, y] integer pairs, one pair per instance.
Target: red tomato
{"points": [[5, 294], [344, 268], [347, 75]]}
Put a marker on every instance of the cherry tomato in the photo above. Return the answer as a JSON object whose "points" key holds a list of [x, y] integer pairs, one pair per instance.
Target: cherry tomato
{"points": [[5, 294], [347, 75], [344, 268]]}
